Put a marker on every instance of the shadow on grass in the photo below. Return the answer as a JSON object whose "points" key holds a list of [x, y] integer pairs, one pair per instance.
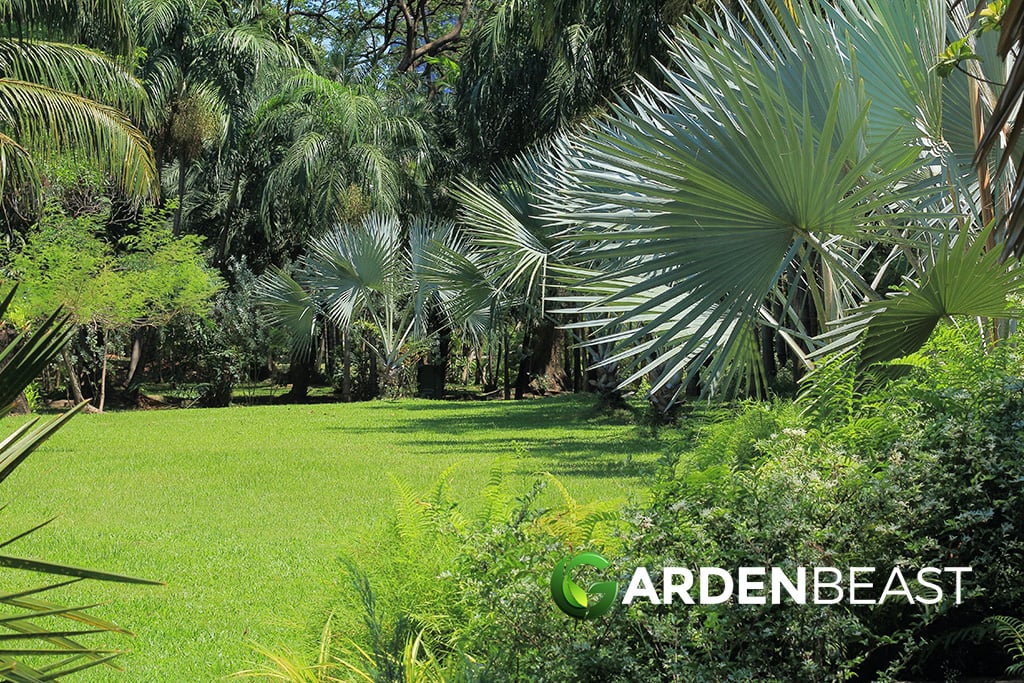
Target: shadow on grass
{"points": [[546, 435]]}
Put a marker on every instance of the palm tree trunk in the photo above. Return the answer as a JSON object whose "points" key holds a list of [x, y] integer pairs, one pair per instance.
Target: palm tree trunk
{"points": [[346, 368], [182, 168]]}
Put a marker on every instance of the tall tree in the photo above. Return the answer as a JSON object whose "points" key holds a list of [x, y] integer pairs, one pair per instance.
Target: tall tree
{"points": [[532, 67], [60, 92], [202, 59], [392, 37], [340, 151]]}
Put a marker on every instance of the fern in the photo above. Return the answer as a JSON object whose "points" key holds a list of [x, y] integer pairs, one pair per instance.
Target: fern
{"points": [[828, 393], [411, 523], [1011, 632], [497, 502], [577, 524]]}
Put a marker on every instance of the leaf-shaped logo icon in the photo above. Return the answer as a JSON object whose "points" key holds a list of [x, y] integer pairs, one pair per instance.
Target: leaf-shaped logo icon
{"points": [[575, 601]]}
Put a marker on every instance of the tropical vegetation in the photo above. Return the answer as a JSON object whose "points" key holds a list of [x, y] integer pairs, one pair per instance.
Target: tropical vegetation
{"points": [[786, 233]]}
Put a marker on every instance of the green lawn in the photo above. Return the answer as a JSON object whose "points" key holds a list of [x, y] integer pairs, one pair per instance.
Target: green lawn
{"points": [[243, 512]]}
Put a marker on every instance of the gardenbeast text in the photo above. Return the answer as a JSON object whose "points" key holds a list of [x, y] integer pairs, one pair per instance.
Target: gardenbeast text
{"points": [[814, 585]]}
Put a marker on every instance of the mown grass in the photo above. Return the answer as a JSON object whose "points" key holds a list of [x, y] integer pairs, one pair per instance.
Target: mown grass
{"points": [[244, 512]]}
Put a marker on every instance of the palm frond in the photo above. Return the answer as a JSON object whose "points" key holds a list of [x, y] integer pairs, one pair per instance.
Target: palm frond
{"points": [[45, 118], [73, 68], [709, 193], [291, 307], [965, 279], [26, 356]]}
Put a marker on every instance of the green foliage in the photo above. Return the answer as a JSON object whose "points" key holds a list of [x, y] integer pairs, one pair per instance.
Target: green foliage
{"points": [[1011, 631], [344, 149], [146, 278], [923, 471], [531, 68], [989, 17], [955, 53]]}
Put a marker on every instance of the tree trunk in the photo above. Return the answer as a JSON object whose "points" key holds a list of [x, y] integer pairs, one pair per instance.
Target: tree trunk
{"points": [[504, 352], [299, 373], [76, 387], [140, 337], [768, 353], [543, 349], [523, 376], [182, 167], [346, 367], [488, 379], [444, 351], [103, 375], [224, 243]]}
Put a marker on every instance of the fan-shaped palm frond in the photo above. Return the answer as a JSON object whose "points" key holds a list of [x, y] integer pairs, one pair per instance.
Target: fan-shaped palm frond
{"points": [[466, 291], [347, 265], [965, 279], [292, 308], [514, 237], [724, 185], [358, 270]]}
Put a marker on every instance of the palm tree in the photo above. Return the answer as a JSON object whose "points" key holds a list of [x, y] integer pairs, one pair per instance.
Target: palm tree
{"points": [[202, 61], [44, 640], [57, 95], [793, 163], [358, 272], [520, 252], [346, 150]]}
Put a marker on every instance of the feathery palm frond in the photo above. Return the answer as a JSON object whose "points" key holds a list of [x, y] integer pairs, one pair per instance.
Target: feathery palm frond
{"points": [[61, 96], [76, 69], [336, 136], [50, 119]]}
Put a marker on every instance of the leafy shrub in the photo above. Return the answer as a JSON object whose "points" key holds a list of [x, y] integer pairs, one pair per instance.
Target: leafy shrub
{"points": [[922, 471]]}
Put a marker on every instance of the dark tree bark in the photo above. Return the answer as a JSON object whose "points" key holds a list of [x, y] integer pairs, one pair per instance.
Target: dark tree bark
{"points": [[543, 346], [76, 386], [416, 17], [182, 166], [299, 374]]}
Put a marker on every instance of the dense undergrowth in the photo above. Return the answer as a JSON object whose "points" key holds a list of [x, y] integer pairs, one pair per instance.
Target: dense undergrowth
{"points": [[923, 470]]}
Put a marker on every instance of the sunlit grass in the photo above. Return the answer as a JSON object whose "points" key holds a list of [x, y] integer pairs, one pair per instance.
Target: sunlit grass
{"points": [[245, 511]]}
